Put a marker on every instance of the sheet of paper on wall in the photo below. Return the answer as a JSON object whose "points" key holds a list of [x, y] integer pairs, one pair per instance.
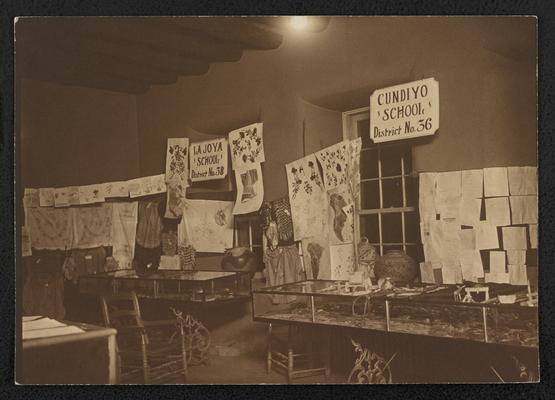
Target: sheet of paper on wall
{"points": [[175, 199], [427, 272], [211, 224], [496, 182], [153, 184], [514, 238], [498, 211], [473, 183], [46, 197], [247, 147], [524, 209], [308, 198], [73, 195], [426, 195], [341, 223], [342, 259], [31, 198], [177, 160], [208, 160], [497, 262], [26, 249], [467, 239], [518, 275], [516, 257], [486, 236], [135, 187], [523, 180], [471, 265], [116, 189], [533, 234], [250, 190], [448, 194], [61, 197], [316, 254], [91, 194], [334, 161], [470, 210], [432, 246], [496, 278], [451, 273], [450, 245]]}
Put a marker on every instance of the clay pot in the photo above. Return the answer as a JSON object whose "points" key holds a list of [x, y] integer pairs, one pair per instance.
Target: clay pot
{"points": [[398, 266], [239, 259]]}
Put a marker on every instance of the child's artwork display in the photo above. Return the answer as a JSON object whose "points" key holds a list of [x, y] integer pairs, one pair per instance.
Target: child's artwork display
{"points": [[250, 190], [247, 147]]}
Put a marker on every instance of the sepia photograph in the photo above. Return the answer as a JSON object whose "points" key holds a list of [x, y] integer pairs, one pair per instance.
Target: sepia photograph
{"points": [[293, 199]]}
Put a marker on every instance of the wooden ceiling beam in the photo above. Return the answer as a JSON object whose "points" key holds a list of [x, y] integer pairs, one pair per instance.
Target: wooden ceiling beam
{"points": [[145, 31], [231, 29]]}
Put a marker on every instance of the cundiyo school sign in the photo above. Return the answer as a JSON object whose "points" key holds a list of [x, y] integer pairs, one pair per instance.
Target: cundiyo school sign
{"points": [[404, 111], [208, 160]]}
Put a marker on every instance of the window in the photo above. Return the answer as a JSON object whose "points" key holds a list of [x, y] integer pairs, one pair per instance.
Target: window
{"points": [[247, 233], [388, 207]]}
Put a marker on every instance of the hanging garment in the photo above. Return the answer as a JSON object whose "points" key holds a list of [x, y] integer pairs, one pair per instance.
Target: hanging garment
{"points": [[272, 235], [50, 228], [84, 262], [281, 210], [283, 265], [169, 243], [92, 226], [149, 224], [124, 229], [265, 215], [43, 291]]}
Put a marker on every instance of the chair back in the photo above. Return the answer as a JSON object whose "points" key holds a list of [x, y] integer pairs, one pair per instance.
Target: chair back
{"points": [[120, 310]]}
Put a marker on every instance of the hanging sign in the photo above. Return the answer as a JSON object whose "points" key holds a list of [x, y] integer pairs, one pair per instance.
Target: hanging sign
{"points": [[404, 111], [208, 160]]}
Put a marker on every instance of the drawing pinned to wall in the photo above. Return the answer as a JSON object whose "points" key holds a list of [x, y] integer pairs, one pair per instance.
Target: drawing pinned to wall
{"points": [[247, 146], [335, 162], [307, 197], [316, 254], [340, 221], [91, 194], [31, 198], [46, 197], [61, 197], [177, 162], [250, 190], [210, 224], [342, 258], [116, 189]]}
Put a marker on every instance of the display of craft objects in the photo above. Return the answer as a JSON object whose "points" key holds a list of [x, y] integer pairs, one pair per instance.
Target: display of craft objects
{"points": [[476, 291]]}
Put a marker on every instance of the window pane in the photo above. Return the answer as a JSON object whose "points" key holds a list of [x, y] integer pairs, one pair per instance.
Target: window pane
{"points": [[392, 193], [411, 189], [416, 253], [370, 195], [412, 225], [369, 164], [369, 228], [392, 230], [363, 128], [392, 247], [391, 160]]}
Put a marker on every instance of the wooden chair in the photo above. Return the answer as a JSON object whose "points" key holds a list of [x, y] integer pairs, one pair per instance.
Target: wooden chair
{"points": [[152, 350], [291, 352]]}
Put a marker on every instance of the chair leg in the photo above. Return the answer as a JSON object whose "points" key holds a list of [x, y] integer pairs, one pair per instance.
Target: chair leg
{"points": [[290, 364], [269, 352], [146, 371], [327, 352]]}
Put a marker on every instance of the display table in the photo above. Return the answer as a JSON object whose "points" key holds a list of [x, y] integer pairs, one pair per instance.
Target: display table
{"points": [[87, 357], [416, 324]]}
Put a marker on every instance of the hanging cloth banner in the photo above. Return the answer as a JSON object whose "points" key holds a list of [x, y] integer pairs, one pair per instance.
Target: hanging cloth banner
{"points": [[210, 224], [250, 190], [50, 228], [92, 226], [335, 161], [177, 173], [307, 197], [247, 147], [124, 229], [208, 160]]}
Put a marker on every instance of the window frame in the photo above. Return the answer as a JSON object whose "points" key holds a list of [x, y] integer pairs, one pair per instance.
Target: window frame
{"points": [[350, 120]]}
